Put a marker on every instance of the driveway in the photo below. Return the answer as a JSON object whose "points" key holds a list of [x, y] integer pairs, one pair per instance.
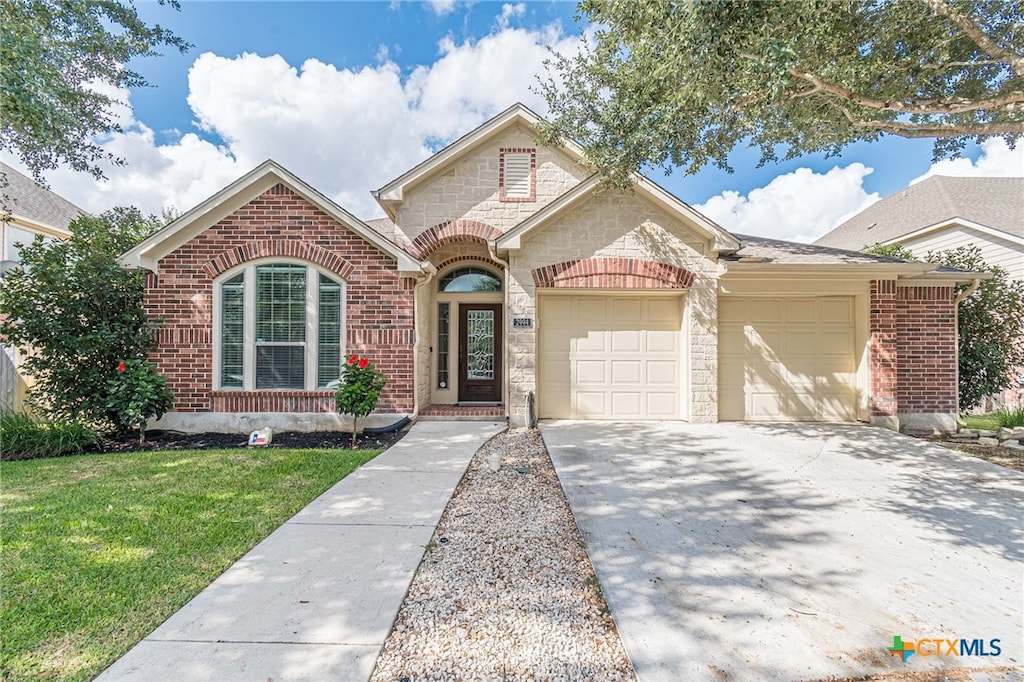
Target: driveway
{"points": [[795, 551]]}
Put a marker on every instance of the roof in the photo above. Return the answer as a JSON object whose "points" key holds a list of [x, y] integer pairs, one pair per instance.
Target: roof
{"points": [[761, 253], [29, 200], [995, 203], [268, 174]]}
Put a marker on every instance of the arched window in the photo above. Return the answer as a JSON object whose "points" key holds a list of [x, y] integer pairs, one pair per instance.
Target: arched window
{"points": [[280, 326], [470, 280]]}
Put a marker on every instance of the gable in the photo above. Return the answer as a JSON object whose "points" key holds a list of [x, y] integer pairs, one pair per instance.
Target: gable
{"points": [[997, 248], [268, 178]]}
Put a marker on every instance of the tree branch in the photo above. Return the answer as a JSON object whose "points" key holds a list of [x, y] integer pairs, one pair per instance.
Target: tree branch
{"points": [[918, 130], [980, 38], [918, 106]]}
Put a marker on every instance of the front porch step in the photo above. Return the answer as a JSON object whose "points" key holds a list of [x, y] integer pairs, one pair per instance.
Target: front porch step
{"points": [[463, 413]]}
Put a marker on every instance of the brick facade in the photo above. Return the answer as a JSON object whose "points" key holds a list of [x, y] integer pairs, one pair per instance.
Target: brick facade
{"points": [[279, 223], [612, 273], [913, 349]]}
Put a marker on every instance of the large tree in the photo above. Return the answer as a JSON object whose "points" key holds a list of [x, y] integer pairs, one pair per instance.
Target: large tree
{"points": [[679, 83], [60, 60]]}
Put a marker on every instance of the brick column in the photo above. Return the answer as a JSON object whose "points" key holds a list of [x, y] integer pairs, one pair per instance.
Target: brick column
{"points": [[884, 349]]}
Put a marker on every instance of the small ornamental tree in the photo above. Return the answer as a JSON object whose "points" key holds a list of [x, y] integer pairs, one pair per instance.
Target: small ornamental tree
{"points": [[358, 390], [137, 393]]}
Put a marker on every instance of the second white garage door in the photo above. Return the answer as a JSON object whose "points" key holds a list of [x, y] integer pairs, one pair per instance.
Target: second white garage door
{"points": [[787, 359], [610, 357]]}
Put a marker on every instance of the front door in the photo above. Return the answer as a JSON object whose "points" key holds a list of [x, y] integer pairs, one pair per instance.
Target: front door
{"points": [[480, 352]]}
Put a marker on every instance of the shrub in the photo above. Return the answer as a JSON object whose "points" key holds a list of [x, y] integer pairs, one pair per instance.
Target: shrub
{"points": [[136, 393], [79, 313], [1011, 417], [23, 437], [358, 390]]}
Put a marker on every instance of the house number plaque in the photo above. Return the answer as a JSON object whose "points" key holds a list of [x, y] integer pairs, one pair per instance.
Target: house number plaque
{"points": [[521, 322]]}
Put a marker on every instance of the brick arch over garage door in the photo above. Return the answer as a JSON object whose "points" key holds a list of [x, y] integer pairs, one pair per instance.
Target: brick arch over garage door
{"points": [[269, 248], [453, 232], [612, 273]]}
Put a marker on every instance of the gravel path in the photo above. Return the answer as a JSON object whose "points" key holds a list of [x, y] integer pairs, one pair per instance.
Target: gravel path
{"points": [[505, 590]]}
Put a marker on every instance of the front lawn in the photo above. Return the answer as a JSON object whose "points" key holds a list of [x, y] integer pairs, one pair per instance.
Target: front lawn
{"points": [[98, 550]]}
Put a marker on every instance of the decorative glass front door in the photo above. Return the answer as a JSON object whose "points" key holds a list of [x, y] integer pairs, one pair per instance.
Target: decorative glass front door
{"points": [[480, 352]]}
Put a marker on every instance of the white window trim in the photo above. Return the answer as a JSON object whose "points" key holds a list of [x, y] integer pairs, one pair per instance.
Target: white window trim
{"points": [[249, 312]]}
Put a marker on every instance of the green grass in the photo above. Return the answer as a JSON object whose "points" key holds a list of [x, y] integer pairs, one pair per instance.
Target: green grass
{"points": [[98, 550], [988, 422]]}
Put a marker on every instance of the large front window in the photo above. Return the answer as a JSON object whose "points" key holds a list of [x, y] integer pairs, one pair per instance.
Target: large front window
{"points": [[281, 326]]}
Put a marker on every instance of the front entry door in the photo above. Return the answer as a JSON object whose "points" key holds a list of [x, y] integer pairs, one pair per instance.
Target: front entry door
{"points": [[480, 352]]}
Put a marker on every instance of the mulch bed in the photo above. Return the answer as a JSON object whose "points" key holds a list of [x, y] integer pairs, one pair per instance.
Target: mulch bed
{"points": [[321, 440]]}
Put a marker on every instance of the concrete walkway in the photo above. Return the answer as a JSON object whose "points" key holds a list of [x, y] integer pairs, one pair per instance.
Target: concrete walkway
{"points": [[316, 599], [795, 551]]}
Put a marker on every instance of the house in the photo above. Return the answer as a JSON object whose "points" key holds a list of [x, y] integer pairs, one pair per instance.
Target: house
{"points": [[27, 210], [941, 213], [506, 280]]}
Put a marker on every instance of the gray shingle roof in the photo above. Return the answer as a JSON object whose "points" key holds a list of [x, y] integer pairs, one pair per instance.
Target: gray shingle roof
{"points": [[387, 229], [26, 198], [994, 202], [778, 251]]}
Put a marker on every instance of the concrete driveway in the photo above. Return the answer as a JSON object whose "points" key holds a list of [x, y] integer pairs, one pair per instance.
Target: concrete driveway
{"points": [[795, 551]]}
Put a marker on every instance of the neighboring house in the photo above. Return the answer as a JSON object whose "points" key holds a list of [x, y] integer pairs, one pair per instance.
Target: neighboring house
{"points": [[27, 210], [504, 276], [941, 213]]}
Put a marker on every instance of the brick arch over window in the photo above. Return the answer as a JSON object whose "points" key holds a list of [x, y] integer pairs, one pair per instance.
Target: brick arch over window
{"points": [[471, 259], [453, 232], [294, 248], [612, 273]]}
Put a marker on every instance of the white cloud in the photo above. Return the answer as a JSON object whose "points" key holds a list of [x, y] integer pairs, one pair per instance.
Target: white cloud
{"points": [[996, 160], [441, 7], [510, 11], [799, 206], [345, 131]]}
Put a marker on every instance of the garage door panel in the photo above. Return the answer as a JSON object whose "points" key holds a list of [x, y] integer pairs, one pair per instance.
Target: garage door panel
{"points": [[626, 371], [662, 405], [797, 358], [625, 340], [623, 356]]}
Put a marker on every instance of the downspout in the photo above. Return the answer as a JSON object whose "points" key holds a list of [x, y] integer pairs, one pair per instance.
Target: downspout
{"points": [[431, 272], [504, 389], [968, 291]]}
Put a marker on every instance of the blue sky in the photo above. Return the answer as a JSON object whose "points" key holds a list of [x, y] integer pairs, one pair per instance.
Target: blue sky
{"points": [[350, 94]]}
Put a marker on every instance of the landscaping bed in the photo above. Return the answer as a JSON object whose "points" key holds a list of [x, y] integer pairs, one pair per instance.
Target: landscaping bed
{"points": [[176, 440]]}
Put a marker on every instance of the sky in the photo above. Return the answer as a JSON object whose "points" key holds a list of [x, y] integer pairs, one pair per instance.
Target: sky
{"points": [[349, 95]]}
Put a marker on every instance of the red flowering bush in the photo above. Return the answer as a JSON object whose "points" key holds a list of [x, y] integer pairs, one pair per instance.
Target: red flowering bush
{"points": [[135, 394], [359, 389]]}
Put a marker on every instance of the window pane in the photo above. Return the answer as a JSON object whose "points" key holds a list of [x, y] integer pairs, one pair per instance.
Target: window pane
{"points": [[280, 304], [442, 345], [280, 367], [329, 334], [470, 279], [232, 330]]}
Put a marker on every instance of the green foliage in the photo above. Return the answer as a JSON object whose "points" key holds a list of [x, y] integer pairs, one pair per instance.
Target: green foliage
{"points": [[991, 327], [77, 313], [680, 84], [359, 389], [137, 393], [1011, 417], [895, 250], [24, 437], [59, 63], [100, 549]]}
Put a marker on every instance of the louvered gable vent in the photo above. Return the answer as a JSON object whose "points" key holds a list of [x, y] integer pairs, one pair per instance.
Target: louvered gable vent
{"points": [[517, 175]]}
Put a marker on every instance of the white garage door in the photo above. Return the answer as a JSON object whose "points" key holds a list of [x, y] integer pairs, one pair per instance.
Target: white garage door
{"points": [[609, 357], [787, 359]]}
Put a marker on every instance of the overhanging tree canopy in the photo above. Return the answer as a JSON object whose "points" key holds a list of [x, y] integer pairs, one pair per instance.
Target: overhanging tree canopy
{"points": [[680, 83]]}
